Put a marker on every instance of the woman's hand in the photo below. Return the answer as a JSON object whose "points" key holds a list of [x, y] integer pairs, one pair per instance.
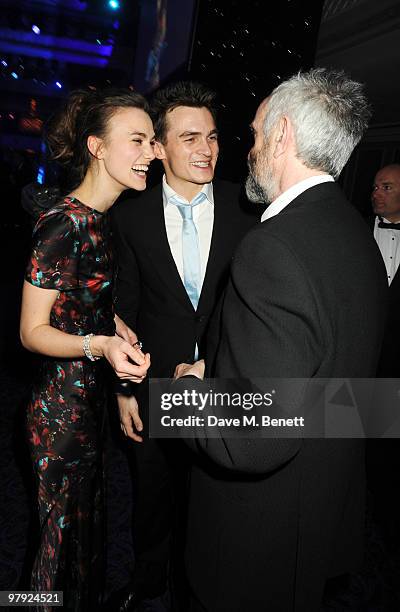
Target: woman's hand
{"points": [[119, 353], [129, 417], [123, 331]]}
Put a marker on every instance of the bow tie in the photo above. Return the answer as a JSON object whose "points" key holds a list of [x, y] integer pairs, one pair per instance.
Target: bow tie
{"points": [[383, 225]]}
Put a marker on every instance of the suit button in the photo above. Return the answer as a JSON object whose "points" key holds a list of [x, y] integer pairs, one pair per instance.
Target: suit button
{"points": [[200, 319]]}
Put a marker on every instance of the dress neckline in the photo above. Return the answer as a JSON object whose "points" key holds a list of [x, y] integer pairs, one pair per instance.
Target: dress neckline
{"points": [[73, 199]]}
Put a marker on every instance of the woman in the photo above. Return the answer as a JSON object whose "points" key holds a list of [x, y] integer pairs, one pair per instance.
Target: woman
{"points": [[107, 140]]}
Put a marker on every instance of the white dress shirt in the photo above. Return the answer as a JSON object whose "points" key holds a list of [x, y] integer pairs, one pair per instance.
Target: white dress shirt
{"points": [[388, 241], [290, 194], [203, 218]]}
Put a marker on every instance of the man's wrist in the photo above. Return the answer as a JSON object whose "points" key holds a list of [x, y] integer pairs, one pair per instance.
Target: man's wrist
{"points": [[123, 387]]}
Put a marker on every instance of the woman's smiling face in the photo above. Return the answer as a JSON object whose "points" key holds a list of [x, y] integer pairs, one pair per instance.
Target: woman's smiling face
{"points": [[128, 148]]}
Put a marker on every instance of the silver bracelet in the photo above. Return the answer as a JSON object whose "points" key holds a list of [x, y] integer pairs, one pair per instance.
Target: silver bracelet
{"points": [[86, 347]]}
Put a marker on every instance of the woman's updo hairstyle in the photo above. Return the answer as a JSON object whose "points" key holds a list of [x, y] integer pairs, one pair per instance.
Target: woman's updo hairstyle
{"points": [[85, 113]]}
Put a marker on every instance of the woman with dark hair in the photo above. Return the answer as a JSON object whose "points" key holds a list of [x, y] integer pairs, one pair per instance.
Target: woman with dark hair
{"points": [[105, 139]]}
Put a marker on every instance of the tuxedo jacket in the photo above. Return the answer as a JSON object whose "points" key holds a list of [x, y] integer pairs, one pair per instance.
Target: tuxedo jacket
{"points": [[150, 296], [270, 520], [389, 361]]}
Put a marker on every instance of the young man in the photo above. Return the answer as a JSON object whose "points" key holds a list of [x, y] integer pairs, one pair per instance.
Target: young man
{"points": [[174, 245]]}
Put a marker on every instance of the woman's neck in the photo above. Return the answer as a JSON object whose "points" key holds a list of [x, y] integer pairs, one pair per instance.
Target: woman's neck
{"points": [[94, 193]]}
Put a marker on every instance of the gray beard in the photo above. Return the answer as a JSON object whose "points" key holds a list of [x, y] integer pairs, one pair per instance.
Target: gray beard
{"points": [[257, 193], [254, 191]]}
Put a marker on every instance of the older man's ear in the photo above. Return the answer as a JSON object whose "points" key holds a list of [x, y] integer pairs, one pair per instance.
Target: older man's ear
{"points": [[282, 139]]}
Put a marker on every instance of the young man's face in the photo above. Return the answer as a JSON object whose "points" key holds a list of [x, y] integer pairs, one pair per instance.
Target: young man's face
{"points": [[191, 147]]}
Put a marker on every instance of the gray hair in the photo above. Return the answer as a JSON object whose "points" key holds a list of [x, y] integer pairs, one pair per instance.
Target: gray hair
{"points": [[329, 113]]}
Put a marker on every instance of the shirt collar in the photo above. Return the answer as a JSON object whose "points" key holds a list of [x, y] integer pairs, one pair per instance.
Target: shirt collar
{"points": [[290, 194], [384, 220], [168, 192]]}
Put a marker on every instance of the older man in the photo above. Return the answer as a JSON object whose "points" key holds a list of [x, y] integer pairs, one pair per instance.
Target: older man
{"points": [[272, 521]]}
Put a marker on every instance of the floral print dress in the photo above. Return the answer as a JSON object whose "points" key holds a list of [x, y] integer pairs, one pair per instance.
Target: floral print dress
{"points": [[71, 253]]}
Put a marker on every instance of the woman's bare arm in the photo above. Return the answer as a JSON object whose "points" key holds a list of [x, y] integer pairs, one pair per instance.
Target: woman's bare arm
{"points": [[38, 336]]}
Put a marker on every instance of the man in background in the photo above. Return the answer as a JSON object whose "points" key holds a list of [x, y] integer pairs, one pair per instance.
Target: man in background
{"points": [[386, 206], [383, 455]]}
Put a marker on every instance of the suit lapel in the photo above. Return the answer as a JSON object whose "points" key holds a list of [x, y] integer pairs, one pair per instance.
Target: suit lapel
{"points": [[158, 249], [217, 254], [371, 222]]}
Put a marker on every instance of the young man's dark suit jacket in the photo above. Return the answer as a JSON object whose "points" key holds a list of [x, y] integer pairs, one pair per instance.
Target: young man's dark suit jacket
{"points": [[152, 300], [271, 520]]}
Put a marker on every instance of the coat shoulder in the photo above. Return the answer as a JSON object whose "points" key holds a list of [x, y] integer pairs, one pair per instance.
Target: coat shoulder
{"points": [[226, 187], [135, 204], [233, 197]]}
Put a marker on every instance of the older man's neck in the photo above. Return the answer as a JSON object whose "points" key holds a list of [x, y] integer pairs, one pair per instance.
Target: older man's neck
{"points": [[296, 175]]}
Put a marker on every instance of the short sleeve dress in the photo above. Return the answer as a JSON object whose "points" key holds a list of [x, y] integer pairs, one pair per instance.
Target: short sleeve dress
{"points": [[71, 254]]}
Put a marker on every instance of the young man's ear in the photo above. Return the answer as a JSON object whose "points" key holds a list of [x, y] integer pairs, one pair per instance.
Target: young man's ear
{"points": [[159, 150], [95, 146]]}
